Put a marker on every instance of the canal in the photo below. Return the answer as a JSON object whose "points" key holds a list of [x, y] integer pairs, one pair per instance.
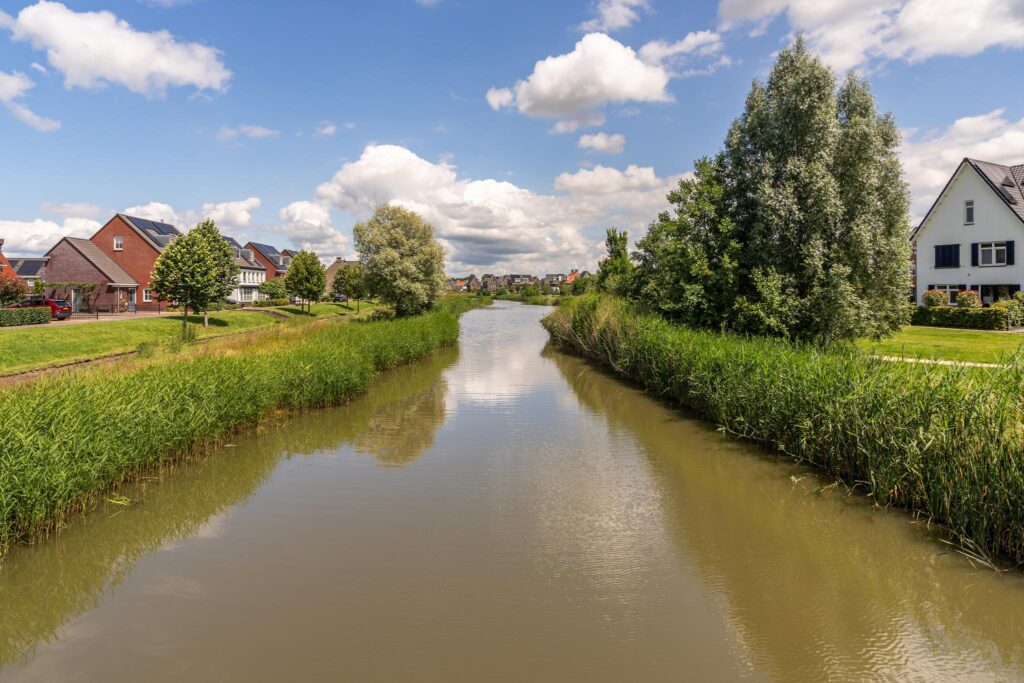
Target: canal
{"points": [[500, 512]]}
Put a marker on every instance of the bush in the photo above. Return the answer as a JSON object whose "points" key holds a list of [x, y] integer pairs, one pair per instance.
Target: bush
{"points": [[266, 303], [968, 298], [934, 298], [943, 441], [1014, 307], [994, 318], [16, 317]]}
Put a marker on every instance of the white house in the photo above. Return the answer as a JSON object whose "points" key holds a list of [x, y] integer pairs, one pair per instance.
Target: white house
{"points": [[251, 274], [966, 240]]}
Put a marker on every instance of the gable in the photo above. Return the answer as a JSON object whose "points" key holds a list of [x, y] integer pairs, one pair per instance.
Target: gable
{"points": [[991, 207]]}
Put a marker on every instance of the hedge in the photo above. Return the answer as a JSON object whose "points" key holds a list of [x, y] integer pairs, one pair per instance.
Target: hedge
{"points": [[16, 317], [962, 318], [263, 303]]}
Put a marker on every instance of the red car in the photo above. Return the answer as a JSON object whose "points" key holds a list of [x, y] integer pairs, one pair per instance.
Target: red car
{"points": [[59, 309]]}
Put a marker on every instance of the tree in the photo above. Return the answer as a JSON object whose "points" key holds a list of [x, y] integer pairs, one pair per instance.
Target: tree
{"points": [[225, 267], [350, 281], [404, 263], [12, 290], [38, 288], [186, 273], [614, 272], [274, 289], [306, 278], [799, 227]]}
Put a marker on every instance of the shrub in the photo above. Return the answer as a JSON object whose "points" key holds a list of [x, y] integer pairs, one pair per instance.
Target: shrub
{"points": [[945, 442], [265, 303], [934, 298], [1014, 307], [994, 318], [15, 317], [968, 298]]}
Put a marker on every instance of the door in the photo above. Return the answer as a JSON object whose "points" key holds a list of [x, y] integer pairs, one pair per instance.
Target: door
{"points": [[76, 299]]}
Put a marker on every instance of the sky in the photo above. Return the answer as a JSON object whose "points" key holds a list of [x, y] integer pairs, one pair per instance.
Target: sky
{"points": [[520, 130]]}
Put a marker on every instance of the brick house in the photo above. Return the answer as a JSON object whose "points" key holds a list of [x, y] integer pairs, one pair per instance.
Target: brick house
{"points": [[332, 270], [134, 245], [98, 282], [274, 262]]}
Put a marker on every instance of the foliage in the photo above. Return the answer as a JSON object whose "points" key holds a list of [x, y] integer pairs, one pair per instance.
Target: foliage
{"points": [[968, 298], [404, 263], [267, 303], [350, 281], [962, 317], [531, 290], [580, 285], [225, 267], [274, 289], [39, 288], [16, 317], [1014, 307], [189, 272], [306, 277], [943, 441], [798, 227], [12, 290], [935, 297], [614, 272]]}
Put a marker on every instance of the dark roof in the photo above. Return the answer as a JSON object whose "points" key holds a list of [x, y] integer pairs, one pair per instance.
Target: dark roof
{"points": [[159, 234], [94, 255], [240, 257], [28, 267]]}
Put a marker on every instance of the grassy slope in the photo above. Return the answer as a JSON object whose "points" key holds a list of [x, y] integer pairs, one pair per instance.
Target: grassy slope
{"points": [[978, 346]]}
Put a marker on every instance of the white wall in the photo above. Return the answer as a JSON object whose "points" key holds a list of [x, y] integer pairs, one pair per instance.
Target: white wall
{"points": [[993, 222]]}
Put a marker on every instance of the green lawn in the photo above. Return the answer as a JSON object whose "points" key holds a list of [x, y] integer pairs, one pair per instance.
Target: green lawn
{"points": [[31, 348], [324, 310], [977, 346]]}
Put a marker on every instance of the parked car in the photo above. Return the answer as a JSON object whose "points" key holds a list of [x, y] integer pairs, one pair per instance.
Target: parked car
{"points": [[340, 298], [59, 308]]}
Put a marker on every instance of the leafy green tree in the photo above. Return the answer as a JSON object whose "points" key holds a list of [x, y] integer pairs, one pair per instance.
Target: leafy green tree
{"points": [[38, 288], [12, 290], [225, 267], [531, 290], [614, 273], [404, 263], [306, 278], [273, 289], [350, 281], [186, 273]]}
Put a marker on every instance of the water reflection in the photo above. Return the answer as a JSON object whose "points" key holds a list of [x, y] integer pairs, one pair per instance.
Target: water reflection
{"points": [[816, 586], [43, 586]]}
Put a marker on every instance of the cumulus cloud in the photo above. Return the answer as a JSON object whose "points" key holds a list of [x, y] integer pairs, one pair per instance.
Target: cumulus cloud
{"points": [[248, 131], [496, 225], [309, 225], [613, 15], [698, 42], [602, 142], [231, 215], [15, 85], [930, 158], [157, 211], [34, 238], [574, 86], [852, 33], [96, 49]]}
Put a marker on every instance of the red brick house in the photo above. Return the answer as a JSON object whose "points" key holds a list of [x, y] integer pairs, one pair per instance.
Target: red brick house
{"points": [[89, 278], [134, 245], [275, 262]]}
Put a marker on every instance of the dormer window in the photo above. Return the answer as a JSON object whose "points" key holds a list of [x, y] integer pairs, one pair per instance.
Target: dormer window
{"points": [[118, 244], [969, 212]]}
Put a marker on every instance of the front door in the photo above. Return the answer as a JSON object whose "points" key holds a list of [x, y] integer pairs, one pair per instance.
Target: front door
{"points": [[76, 299]]}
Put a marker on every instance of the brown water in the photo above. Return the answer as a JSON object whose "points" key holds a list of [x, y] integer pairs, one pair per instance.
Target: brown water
{"points": [[500, 512]]}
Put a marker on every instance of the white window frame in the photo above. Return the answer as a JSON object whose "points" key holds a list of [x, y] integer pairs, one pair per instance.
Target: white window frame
{"points": [[950, 290], [993, 250], [147, 296], [969, 212], [118, 243]]}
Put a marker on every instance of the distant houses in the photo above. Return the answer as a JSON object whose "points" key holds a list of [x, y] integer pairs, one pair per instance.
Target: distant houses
{"points": [[513, 282], [275, 263], [251, 274], [333, 269]]}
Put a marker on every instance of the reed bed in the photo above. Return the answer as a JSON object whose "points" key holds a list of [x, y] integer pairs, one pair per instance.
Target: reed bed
{"points": [[65, 439], [944, 442]]}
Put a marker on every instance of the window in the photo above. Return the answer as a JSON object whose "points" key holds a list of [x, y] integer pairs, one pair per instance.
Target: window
{"points": [[992, 254], [947, 255], [969, 212], [118, 244], [147, 296], [950, 290]]}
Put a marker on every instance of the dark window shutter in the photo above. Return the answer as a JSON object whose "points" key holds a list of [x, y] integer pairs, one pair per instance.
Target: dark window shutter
{"points": [[956, 255], [974, 288], [938, 256], [1009, 252], [974, 253], [1014, 289]]}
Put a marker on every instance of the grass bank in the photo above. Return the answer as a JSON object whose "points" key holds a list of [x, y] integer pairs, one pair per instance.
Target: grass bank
{"points": [[536, 300], [974, 346], [944, 442], [63, 440]]}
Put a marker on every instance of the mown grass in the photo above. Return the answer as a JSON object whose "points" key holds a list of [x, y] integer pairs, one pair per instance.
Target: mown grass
{"points": [[945, 442], [975, 346], [65, 439]]}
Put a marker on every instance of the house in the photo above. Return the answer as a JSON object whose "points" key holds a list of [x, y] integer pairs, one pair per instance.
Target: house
{"points": [[275, 263], [29, 270], [472, 283], [504, 281], [520, 281], [490, 283], [554, 281], [967, 239], [333, 269], [134, 245], [251, 274], [99, 283]]}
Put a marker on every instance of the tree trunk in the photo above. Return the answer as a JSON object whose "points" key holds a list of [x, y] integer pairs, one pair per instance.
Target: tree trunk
{"points": [[357, 305], [206, 318], [184, 319]]}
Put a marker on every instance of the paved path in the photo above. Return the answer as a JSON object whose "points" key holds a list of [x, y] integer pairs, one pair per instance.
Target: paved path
{"points": [[931, 361]]}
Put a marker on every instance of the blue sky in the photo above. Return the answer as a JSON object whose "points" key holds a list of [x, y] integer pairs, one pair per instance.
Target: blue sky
{"points": [[287, 122]]}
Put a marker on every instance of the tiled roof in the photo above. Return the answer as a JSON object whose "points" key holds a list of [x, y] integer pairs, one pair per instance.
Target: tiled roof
{"points": [[1005, 182], [92, 253]]}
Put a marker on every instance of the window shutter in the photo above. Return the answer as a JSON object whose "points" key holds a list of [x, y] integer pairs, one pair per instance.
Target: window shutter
{"points": [[956, 255], [1014, 289], [974, 288], [1009, 252], [974, 253], [938, 256]]}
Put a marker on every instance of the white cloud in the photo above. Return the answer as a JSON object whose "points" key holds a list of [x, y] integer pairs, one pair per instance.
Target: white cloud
{"points": [[614, 14], [157, 211], [574, 86], [39, 67], [309, 225], [75, 210], [34, 238], [701, 43], [15, 85], [929, 159], [95, 49], [326, 129], [852, 33], [236, 214], [247, 130], [497, 225], [602, 142]]}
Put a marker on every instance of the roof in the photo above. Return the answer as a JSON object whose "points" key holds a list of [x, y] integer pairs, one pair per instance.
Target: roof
{"points": [[271, 254], [94, 255], [240, 259], [28, 267], [159, 234], [1006, 181]]}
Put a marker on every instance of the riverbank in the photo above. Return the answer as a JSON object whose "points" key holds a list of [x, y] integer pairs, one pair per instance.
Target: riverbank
{"points": [[535, 300], [67, 439], [943, 442]]}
